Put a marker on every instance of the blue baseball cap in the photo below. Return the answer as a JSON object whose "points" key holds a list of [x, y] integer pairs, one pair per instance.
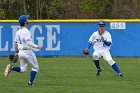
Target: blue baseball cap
{"points": [[102, 23], [23, 18]]}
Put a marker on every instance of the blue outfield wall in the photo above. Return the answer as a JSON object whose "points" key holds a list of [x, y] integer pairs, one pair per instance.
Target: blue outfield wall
{"points": [[70, 38]]}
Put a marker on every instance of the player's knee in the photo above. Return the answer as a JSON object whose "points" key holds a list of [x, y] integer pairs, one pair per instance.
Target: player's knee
{"points": [[111, 62], [35, 68], [23, 70], [95, 57]]}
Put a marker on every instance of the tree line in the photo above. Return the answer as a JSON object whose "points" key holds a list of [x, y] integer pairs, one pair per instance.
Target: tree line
{"points": [[70, 9]]}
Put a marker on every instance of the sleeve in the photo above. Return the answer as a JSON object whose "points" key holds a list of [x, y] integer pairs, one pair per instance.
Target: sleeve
{"points": [[107, 43], [91, 41], [92, 38], [89, 45], [16, 39], [109, 39], [28, 40]]}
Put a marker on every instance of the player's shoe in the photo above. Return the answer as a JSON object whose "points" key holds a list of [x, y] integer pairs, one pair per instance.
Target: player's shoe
{"points": [[8, 70], [120, 75], [31, 84], [98, 73]]}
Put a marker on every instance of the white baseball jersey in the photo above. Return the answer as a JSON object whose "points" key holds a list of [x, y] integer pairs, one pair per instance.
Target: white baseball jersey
{"points": [[98, 44], [24, 39], [26, 56]]}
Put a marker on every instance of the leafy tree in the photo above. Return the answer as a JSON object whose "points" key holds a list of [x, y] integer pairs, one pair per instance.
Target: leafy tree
{"points": [[70, 9]]}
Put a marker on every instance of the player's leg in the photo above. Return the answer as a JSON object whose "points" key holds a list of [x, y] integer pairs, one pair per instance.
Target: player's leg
{"points": [[33, 62], [8, 70], [23, 63], [96, 56], [23, 66], [111, 62]]}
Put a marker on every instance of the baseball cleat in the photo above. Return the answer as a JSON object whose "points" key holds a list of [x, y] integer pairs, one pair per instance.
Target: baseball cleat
{"points": [[31, 84], [8, 70], [120, 75], [98, 73]]}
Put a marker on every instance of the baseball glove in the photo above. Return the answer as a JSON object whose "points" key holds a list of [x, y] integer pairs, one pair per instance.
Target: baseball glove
{"points": [[86, 51], [13, 58]]}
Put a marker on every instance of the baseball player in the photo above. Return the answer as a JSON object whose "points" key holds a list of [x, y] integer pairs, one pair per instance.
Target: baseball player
{"points": [[101, 41], [23, 46]]}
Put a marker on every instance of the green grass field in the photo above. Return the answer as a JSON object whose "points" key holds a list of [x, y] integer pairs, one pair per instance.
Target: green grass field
{"points": [[74, 75]]}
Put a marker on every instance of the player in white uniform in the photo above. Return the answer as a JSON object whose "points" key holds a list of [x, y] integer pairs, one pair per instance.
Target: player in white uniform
{"points": [[23, 47], [101, 41]]}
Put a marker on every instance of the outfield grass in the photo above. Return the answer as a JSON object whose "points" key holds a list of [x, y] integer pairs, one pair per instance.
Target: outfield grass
{"points": [[74, 75]]}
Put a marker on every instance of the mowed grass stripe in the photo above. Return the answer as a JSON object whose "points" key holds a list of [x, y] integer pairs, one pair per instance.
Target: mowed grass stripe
{"points": [[74, 75]]}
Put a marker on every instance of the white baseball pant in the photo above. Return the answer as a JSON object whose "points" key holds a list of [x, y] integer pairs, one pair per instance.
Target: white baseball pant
{"points": [[27, 57], [97, 54]]}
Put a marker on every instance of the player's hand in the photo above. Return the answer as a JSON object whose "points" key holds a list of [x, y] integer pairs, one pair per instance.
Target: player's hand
{"points": [[102, 38], [40, 47], [13, 58], [16, 54], [86, 51]]}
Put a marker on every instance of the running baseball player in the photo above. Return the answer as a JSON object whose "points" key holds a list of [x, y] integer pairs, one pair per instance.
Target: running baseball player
{"points": [[101, 41], [23, 46]]}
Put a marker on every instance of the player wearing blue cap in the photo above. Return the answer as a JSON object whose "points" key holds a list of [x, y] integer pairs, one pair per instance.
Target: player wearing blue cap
{"points": [[101, 41], [22, 19], [23, 46]]}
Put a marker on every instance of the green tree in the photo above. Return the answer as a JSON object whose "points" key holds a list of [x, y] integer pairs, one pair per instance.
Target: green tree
{"points": [[70, 9]]}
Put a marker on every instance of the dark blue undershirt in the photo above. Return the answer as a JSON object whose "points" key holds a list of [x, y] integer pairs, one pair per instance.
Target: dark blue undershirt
{"points": [[107, 43]]}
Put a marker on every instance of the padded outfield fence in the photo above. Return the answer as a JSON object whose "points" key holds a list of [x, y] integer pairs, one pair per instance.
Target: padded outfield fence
{"points": [[70, 37]]}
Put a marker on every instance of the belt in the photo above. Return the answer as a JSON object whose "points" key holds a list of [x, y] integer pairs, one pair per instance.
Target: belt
{"points": [[25, 49]]}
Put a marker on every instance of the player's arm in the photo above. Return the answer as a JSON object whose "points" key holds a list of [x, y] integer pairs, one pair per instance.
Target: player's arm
{"points": [[86, 50], [89, 44], [107, 42], [29, 42], [16, 47], [91, 41], [15, 44]]}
